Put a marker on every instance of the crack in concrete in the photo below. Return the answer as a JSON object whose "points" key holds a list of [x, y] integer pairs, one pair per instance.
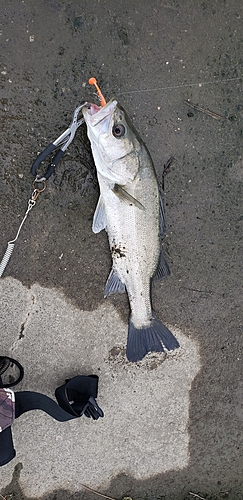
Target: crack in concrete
{"points": [[22, 328], [21, 334]]}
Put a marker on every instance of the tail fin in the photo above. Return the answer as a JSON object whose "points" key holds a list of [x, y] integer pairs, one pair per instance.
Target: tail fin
{"points": [[155, 337]]}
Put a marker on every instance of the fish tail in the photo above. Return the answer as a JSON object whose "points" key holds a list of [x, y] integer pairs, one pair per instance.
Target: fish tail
{"points": [[153, 338]]}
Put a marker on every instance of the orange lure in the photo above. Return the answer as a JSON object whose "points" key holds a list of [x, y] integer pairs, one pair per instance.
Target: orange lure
{"points": [[93, 81]]}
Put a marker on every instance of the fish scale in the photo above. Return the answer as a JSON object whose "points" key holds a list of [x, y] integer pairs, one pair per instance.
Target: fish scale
{"points": [[131, 212], [129, 225]]}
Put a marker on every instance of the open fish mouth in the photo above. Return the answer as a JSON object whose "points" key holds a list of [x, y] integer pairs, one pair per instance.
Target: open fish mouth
{"points": [[94, 114], [93, 108]]}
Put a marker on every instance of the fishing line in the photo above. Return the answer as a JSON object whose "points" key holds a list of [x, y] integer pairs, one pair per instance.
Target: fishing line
{"points": [[173, 87], [71, 130]]}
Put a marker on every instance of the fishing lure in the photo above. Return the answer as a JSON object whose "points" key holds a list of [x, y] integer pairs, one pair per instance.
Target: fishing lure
{"points": [[93, 81]]}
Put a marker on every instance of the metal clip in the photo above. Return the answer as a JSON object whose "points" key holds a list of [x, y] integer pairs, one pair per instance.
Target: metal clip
{"points": [[64, 140], [10, 247], [37, 191]]}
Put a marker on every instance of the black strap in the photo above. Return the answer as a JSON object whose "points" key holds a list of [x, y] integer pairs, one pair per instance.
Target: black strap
{"points": [[75, 398]]}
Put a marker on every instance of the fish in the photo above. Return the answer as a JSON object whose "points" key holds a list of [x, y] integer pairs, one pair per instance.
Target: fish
{"points": [[130, 209]]}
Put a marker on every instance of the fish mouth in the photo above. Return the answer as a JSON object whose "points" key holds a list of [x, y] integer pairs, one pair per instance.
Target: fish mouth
{"points": [[92, 109], [94, 114]]}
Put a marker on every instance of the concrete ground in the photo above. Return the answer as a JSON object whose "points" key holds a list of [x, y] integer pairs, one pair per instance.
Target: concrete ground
{"points": [[173, 424]]}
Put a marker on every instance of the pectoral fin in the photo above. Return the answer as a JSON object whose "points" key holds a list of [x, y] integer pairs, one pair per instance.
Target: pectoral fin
{"points": [[99, 220], [126, 197]]}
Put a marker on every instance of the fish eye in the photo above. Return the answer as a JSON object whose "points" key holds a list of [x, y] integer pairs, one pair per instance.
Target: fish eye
{"points": [[118, 130]]}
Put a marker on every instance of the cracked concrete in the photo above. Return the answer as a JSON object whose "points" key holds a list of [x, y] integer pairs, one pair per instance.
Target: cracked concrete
{"points": [[56, 343], [25, 306]]}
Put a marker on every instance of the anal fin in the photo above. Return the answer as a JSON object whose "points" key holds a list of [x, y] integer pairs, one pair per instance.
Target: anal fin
{"points": [[113, 284]]}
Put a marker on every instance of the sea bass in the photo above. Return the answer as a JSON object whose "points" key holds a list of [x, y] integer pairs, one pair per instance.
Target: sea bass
{"points": [[130, 209]]}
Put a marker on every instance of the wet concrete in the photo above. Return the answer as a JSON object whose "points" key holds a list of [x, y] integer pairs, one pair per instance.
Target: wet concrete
{"points": [[152, 56], [149, 398]]}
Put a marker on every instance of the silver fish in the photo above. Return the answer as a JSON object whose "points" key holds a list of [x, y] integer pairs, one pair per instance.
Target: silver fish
{"points": [[130, 209]]}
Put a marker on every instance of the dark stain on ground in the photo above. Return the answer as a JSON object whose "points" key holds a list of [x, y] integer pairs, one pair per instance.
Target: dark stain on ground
{"points": [[171, 46]]}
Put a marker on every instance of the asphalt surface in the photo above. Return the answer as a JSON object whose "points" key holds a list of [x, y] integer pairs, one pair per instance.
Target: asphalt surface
{"points": [[173, 423]]}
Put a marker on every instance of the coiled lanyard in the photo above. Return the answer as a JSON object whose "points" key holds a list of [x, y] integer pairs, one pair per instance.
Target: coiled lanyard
{"points": [[39, 184]]}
